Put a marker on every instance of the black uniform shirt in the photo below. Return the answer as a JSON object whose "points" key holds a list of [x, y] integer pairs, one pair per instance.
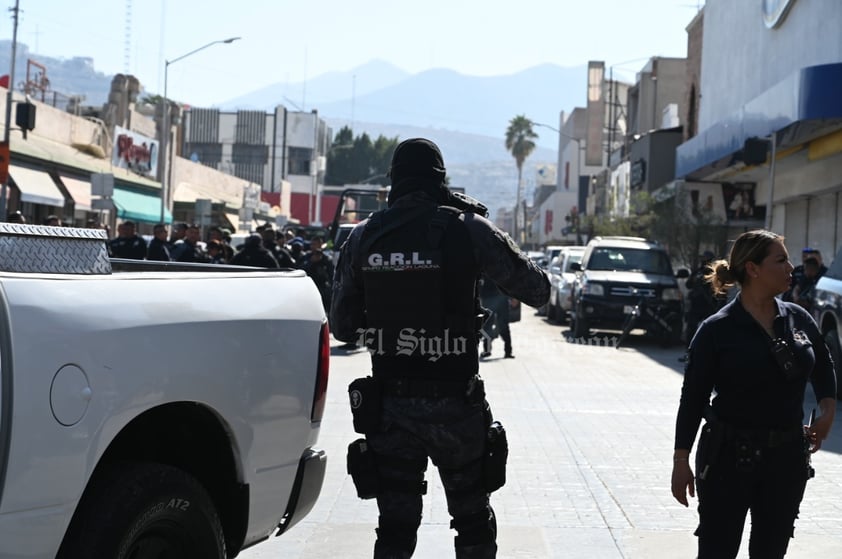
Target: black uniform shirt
{"points": [[495, 252], [731, 356]]}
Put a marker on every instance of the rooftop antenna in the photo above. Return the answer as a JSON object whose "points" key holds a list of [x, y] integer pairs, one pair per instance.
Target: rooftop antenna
{"points": [[304, 82], [127, 46], [37, 33], [291, 102], [353, 99]]}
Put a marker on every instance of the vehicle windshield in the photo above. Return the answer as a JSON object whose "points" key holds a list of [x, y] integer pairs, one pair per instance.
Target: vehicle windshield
{"points": [[575, 258], [630, 260]]}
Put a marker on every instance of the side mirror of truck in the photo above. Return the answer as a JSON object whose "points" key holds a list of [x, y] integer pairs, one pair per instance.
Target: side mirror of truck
{"points": [[576, 267]]}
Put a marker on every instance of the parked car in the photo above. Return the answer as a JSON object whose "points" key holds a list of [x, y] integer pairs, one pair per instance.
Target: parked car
{"points": [[562, 278], [827, 310], [620, 274], [550, 252], [539, 257]]}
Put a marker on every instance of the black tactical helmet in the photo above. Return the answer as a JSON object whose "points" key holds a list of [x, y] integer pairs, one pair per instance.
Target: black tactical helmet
{"points": [[417, 158]]}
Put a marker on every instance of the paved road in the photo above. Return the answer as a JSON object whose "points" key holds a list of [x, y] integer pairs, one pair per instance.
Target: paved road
{"points": [[590, 433]]}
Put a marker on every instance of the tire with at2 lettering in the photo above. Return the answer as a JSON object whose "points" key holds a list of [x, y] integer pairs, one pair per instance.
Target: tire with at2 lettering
{"points": [[144, 511]]}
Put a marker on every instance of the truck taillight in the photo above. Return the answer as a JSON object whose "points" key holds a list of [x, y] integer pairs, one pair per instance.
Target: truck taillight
{"points": [[320, 395]]}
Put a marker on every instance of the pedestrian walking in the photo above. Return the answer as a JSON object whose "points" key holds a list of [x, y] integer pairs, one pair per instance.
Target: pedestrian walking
{"points": [[497, 323], [406, 287], [701, 301], [756, 355]]}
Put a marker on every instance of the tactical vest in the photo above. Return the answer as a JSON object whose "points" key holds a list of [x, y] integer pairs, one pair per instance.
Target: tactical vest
{"points": [[419, 273]]}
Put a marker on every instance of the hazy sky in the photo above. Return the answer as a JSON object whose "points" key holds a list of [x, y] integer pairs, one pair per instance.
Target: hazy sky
{"points": [[297, 40]]}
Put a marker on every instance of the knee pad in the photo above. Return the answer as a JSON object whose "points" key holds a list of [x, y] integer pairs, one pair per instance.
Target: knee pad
{"points": [[398, 535]]}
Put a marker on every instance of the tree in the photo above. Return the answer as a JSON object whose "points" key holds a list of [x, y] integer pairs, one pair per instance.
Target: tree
{"points": [[519, 142], [359, 160], [671, 221], [686, 230]]}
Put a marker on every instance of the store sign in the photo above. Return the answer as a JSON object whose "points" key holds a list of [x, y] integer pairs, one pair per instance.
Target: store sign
{"points": [[740, 202], [251, 196], [775, 11], [134, 152]]}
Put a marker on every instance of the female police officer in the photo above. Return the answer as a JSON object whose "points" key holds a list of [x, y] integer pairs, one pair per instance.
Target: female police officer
{"points": [[757, 354]]}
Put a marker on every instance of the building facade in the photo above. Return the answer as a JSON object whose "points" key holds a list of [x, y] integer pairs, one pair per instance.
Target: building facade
{"points": [[268, 149], [769, 129]]}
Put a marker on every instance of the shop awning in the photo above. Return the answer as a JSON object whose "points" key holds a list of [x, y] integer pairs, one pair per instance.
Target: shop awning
{"points": [[234, 219], [137, 206], [80, 191], [36, 187], [808, 98], [236, 222]]}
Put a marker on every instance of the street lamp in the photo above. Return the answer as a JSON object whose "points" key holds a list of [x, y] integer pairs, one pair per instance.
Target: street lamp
{"points": [[569, 137], [165, 123]]}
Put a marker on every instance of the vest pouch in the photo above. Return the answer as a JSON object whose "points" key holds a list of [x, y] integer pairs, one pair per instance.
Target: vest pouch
{"points": [[366, 397], [496, 454], [362, 466]]}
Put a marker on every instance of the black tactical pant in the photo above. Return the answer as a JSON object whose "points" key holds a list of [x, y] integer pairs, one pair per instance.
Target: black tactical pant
{"points": [[771, 489], [451, 431], [499, 305]]}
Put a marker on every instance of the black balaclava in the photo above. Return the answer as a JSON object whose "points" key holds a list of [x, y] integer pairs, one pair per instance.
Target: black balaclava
{"points": [[417, 164]]}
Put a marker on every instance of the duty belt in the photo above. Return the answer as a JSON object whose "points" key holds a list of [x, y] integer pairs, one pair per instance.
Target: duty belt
{"points": [[406, 387], [770, 438]]}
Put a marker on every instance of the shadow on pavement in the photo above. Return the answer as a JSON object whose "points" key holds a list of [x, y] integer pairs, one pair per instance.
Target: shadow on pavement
{"points": [[653, 348], [346, 349]]}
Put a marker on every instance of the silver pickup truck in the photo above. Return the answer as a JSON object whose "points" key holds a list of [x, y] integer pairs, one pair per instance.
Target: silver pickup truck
{"points": [[152, 409]]}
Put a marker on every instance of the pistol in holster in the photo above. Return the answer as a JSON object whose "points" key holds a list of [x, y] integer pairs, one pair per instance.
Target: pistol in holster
{"points": [[366, 397], [362, 466], [710, 444], [496, 455]]}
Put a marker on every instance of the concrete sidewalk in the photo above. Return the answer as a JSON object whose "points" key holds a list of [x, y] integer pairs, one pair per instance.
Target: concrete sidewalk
{"points": [[590, 432]]}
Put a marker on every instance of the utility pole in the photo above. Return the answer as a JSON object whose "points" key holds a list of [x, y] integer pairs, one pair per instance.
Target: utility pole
{"points": [[5, 150]]}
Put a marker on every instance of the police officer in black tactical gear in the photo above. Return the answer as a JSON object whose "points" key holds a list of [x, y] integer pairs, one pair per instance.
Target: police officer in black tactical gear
{"points": [[406, 287]]}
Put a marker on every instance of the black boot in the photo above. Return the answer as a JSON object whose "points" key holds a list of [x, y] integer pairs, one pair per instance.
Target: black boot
{"points": [[478, 551]]}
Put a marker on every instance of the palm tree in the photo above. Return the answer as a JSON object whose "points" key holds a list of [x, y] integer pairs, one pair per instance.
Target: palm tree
{"points": [[519, 136]]}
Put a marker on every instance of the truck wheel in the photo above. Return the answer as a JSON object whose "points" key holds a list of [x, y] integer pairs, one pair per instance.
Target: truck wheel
{"points": [[580, 326], [552, 314], [140, 511], [832, 341]]}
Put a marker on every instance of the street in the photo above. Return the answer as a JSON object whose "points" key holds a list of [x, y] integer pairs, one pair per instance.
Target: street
{"points": [[590, 433]]}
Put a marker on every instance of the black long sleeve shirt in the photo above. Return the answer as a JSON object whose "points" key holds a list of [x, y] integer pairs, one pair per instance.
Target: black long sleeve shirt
{"points": [[496, 254], [731, 356]]}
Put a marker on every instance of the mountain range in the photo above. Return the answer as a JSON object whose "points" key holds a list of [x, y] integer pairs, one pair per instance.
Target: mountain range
{"points": [[466, 116]]}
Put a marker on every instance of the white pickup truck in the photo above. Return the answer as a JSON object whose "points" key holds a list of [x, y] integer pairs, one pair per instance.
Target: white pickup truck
{"points": [[152, 410]]}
